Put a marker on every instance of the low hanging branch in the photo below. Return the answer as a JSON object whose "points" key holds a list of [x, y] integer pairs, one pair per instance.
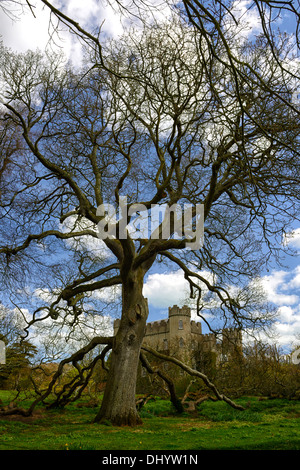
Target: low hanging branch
{"points": [[196, 373], [77, 356], [72, 390]]}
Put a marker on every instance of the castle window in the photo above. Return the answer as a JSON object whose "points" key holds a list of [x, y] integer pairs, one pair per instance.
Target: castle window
{"points": [[165, 344], [181, 343], [180, 325]]}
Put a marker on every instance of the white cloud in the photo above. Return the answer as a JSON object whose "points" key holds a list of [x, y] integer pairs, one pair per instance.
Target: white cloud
{"points": [[282, 289], [25, 31], [246, 21], [292, 238], [286, 314], [93, 12], [84, 242], [166, 289], [295, 282], [286, 333], [274, 284]]}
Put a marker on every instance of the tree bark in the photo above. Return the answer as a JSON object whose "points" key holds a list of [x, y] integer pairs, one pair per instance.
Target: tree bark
{"points": [[119, 400]]}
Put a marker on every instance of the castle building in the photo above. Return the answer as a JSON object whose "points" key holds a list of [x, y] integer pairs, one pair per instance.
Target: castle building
{"points": [[182, 337]]}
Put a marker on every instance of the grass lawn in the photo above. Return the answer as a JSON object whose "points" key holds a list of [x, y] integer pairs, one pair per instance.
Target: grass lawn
{"points": [[264, 425]]}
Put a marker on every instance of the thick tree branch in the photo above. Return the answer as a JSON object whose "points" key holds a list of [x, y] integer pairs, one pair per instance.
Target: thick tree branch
{"points": [[55, 233], [69, 292]]}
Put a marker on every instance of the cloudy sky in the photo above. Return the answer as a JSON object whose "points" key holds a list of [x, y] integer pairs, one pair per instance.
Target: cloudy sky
{"points": [[162, 289]]}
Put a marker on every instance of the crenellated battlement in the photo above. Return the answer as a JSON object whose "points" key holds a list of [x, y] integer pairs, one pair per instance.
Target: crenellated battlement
{"points": [[184, 311], [157, 327]]}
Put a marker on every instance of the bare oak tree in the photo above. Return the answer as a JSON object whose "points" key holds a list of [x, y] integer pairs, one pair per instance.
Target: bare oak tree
{"points": [[161, 117]]}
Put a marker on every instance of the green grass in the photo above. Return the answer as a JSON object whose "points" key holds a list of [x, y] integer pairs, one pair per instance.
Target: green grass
{"points": [[264, 425]]}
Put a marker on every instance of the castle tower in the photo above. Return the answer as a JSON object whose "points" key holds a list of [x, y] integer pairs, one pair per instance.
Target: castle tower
{"points": [[179, 320], [180, 330]]}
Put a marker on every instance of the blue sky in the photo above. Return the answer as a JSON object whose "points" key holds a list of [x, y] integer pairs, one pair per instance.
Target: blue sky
{"points": [[164, 289]]}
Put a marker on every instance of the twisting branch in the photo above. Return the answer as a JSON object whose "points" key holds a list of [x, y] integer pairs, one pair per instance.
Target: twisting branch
{"points": [[196, 373], [81, 380], [54, 233]]}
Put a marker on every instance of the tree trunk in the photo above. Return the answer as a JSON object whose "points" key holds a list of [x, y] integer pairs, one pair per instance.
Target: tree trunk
{"points": [[119, 400]]}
